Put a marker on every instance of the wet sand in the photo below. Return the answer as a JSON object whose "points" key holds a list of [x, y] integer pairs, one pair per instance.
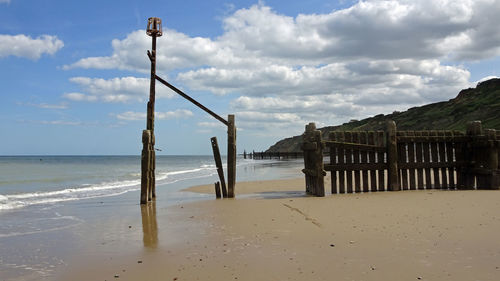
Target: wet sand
{"points": [[272, 231]]}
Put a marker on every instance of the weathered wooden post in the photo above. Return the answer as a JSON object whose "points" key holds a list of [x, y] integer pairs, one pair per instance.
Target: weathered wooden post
{"points": [[217, 190], [145, 166], [333, 161], [313, 161], [218, 164], [307, 147], [231, 155], [392, 157], [482, 158], [493, 177], [319, 166], [460, 151], [148, 191], [472, 152]]}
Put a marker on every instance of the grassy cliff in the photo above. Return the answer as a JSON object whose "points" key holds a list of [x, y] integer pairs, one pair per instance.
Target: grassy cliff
{"points": [[480, 103]]}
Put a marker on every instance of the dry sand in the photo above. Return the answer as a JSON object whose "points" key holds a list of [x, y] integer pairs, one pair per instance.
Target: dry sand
{"points": [[272, 231]]}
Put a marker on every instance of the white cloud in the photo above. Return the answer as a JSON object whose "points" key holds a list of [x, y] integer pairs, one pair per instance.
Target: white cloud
{"points": [[175, 51], [279, 114], [486, 78], [119, 89], [5, 1], [79, 97], [132, 116], [59, 122], [369, 29], [177, 114], [373, 57], [52, 106], [61, 105], [24, 46], [210, 125], [296, 104]]}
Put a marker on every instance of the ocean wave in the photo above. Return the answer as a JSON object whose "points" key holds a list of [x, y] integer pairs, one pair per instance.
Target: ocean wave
{"points": [[76, 190], [169, 175], [14, 201], [89, 191]]}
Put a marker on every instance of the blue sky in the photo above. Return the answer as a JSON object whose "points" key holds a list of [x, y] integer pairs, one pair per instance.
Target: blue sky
{"points": [[74, 74]]}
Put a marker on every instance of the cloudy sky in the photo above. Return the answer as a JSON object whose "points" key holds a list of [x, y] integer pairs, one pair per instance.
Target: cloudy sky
{"points": [[74, 74]]}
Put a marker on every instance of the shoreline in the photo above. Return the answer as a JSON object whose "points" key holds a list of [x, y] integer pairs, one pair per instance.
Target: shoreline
{"points": [[39, 240], [273, 231], [254, 187]]}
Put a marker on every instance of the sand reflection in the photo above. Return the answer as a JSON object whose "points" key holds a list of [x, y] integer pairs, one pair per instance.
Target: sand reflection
{"points": [[149, 225]]}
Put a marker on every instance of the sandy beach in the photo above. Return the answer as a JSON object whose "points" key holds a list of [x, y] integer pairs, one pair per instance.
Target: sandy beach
{"points": [[272, 231]]}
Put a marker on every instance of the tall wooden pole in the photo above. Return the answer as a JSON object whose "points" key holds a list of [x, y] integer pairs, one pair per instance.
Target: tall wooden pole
{"points": [[148, 161], [151, 117]]}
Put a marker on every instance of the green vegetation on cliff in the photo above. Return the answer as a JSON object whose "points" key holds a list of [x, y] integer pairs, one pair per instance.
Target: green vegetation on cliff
{"points": [[480, 103]]}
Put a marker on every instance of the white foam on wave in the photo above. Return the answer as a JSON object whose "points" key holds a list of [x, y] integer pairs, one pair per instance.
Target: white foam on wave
{"points": [[14, 201], [89, 191], [76, 190], [169, 175]]}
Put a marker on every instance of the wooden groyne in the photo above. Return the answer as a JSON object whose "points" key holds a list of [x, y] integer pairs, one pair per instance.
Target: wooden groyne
{"points": [[272, 155], [393, 160]]}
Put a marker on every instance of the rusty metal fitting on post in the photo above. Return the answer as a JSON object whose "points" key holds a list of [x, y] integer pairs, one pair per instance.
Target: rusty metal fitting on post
{"points": [[154, 27]]}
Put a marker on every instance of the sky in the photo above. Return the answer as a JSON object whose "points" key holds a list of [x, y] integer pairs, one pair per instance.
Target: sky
{"points": [[74, 75]]}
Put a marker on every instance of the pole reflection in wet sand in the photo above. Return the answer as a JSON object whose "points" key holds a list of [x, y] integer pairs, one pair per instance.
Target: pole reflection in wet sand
{"points": [[149, 225]]}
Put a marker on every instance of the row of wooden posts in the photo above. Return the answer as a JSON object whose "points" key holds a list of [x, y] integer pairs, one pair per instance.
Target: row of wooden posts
{"points": [[272, 155], [402, 160]]}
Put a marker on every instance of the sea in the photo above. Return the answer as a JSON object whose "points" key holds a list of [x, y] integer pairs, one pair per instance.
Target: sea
{"points": [[40, 196]]}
